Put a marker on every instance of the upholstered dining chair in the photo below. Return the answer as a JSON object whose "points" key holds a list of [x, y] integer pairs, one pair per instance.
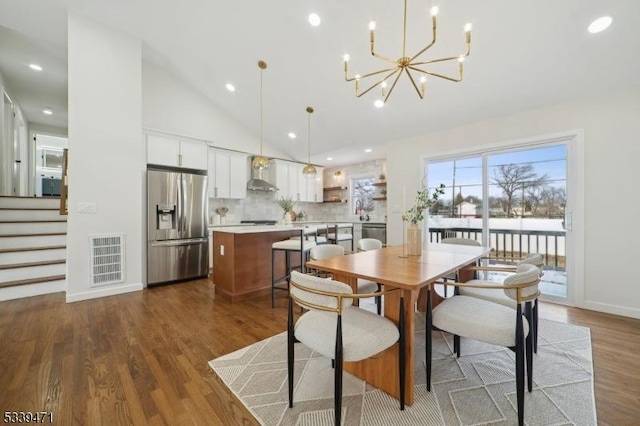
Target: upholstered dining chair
{"points": [[490, 322], [534, 259], [334, 328], [326, 251], [366, 286], [462, 242]]}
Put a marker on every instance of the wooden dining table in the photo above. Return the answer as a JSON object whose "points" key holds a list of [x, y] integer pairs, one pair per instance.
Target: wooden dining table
{"points": [[389, 267]]}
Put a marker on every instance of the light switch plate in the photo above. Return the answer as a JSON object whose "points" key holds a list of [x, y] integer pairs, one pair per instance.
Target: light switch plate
{"points": [[86, 207]]}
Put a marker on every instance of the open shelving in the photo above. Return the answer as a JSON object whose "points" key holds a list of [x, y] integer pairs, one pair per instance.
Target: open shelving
{"points": [[381, 196], [335, 194]]}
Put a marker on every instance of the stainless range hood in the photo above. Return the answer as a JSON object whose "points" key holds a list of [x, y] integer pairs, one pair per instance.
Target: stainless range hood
{"points": [[259, 184]]}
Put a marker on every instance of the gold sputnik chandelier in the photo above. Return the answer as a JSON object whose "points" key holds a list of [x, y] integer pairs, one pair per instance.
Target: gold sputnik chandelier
{"points": [[412, 66], [309, 170], [260, 162]]}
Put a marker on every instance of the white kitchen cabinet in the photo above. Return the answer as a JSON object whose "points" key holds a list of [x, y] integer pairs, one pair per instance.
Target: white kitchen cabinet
{"points": [[227, 174], [314, 192], [279, 176], [166, 151], [238, 175], [288, 177]]}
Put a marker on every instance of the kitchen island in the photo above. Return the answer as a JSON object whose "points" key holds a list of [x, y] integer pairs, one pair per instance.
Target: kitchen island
{"points": [[242, 258]]}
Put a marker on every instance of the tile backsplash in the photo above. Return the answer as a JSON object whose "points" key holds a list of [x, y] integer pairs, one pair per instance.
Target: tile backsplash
{"points": [[263, 205]]}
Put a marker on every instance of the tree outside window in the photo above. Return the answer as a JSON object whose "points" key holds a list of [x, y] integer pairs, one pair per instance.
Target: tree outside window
{"points": [[362, 195]]}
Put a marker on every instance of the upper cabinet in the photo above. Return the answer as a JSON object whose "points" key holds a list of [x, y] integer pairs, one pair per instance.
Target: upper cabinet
{"points": [[227, 174], [177, 153], [288, 177]]}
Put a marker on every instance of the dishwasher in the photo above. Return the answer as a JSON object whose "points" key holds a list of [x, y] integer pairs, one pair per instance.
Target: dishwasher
{"points": [[375, 230]]}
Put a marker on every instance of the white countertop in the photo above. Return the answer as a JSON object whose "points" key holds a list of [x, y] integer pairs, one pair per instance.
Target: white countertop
{"points": [[253, 229]]}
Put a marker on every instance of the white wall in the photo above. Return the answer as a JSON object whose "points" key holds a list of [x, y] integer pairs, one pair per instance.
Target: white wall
{"points": [[106, 164], [169, 105], [611, 127], [12, 126]]}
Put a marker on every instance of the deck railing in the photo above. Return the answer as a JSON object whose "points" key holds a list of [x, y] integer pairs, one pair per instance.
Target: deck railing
{"points": [[508, 245]]}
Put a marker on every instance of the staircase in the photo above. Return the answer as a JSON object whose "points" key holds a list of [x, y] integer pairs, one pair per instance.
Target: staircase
{"points": [[33, 249]]}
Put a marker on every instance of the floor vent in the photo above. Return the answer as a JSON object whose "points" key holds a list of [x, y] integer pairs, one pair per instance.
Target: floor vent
{"points": [[107, 260]]}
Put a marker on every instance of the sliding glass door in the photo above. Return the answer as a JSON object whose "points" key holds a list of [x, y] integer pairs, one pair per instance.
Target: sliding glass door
{"points": [[512, 200]]}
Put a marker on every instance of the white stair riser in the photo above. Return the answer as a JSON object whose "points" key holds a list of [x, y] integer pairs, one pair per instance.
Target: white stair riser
{"points": [[32, 228], [34, 241], [41, 203], [33, 272], [32, 256], [19, 291], [9, 215]]}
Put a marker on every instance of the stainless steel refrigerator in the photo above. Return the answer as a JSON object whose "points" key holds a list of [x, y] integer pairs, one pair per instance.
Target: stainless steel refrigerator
{"points": [[177, 235]]}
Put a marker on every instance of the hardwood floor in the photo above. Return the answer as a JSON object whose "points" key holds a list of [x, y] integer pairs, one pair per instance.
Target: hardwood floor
{"points": [[141, 358]]}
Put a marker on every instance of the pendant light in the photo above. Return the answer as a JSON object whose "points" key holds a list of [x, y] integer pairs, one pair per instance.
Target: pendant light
{"points": [[260, 162], [309, 171]]}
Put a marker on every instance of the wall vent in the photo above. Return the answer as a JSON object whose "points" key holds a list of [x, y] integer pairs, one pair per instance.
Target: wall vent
{"points": [[107, 259]]}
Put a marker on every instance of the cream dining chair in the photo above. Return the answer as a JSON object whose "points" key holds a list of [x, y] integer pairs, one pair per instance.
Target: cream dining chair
{"points": [[336, 329], [366, 286], [490, 322], [534, 259]]}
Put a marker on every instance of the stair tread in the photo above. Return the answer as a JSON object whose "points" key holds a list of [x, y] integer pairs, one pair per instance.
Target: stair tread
{"points": [[13, 250], [30, 264], [30, 208], [42, 234], [33, 281], [22, 197], [34, 221]]}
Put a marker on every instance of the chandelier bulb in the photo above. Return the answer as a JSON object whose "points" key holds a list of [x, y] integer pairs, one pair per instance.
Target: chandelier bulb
{"points": [[467, 27], [372, 25], [346, 57], [434, 11]]}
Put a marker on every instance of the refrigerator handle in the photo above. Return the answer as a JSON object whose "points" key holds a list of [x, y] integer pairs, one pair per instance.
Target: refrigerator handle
{"points": [[180, 205]]}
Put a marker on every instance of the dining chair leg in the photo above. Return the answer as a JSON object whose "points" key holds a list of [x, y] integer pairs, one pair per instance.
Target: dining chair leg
{"points": [[529, 348], [428, 337], [379, 302], [338, 372], [401, 351], [290, 350], [535, 326], [456, 345], [520, 364]]}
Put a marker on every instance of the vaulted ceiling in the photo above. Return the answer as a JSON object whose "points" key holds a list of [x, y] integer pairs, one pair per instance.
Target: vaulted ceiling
{"points": [[524, 55]]}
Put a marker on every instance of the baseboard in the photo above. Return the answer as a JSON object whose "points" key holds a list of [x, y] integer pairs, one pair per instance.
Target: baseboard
{"points": [[29, 290], [104, 292], [611, 309]]}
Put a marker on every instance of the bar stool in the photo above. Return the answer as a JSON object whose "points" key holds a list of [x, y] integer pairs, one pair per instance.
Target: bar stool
{"points": [[314, 233], [299, 245], [322, 231], [335, 237]]}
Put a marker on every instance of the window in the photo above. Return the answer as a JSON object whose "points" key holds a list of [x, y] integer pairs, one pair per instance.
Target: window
{"points": [[362, 193], [513, 200]]}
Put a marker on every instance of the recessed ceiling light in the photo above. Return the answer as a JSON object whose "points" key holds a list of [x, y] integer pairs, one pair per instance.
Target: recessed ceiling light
{"points": [[230, 87], [600, 24], [47, 111], [292, 135], [379, 103], [314, 19], [329, 158], [35, 67], [367, 150]]}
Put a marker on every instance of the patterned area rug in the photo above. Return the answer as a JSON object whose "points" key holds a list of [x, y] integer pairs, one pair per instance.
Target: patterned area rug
{"points": [[475, 389]]}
